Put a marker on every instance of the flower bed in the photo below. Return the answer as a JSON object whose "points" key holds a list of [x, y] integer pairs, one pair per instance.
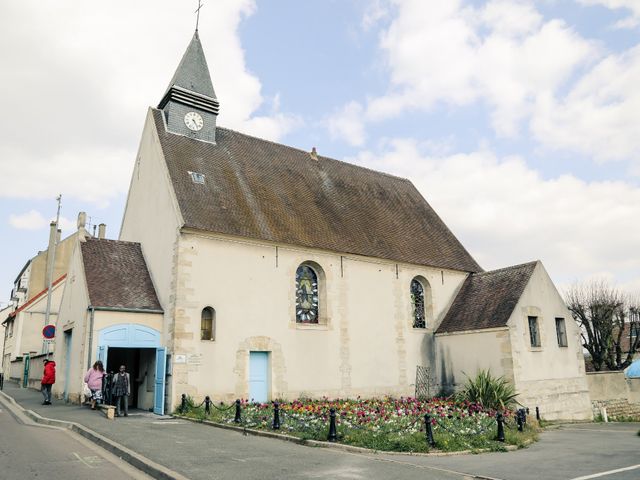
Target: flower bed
{"points": [[387, 424]]}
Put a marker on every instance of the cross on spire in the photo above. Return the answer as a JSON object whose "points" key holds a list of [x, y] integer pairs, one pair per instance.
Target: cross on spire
{"points": [[200, 5]]}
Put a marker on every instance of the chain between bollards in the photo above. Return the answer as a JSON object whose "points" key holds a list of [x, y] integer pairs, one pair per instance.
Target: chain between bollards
{"points": [[500, 421], [333, 433], [276, 416], [429, 430]]}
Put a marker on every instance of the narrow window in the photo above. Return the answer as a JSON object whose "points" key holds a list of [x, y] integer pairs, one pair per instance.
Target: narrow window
{"points": [[417, 302], [561, 332], [207, 324], [306, 295], [534, 333]]}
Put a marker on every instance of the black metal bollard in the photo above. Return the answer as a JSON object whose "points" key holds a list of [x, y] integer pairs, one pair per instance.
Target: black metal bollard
{"points": [[276, 416], [429, 430], [519, 419], [207, 405], [1, 381], [537, 414], [333, 433], [237, 418], [500, 421], [183, 403]]}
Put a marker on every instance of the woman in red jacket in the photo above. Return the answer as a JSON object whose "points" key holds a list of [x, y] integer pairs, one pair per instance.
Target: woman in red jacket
{"points": [[48, 379]]}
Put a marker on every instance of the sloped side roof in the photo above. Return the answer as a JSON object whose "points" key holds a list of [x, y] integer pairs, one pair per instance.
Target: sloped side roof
{"points": [[263, 190], [117, 275], [486, 300]]}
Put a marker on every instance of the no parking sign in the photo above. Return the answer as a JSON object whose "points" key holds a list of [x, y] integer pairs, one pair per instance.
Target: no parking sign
{"points": [[49, 332]]}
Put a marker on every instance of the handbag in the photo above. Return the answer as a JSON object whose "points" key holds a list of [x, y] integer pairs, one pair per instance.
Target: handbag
{"points": [[86, 391]]}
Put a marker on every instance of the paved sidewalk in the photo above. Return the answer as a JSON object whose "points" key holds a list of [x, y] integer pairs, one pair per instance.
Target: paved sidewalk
{"points": [[197, 451], [202, 452]]}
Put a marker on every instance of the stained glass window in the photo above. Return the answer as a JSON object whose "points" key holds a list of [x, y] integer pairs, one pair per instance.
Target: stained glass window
{"points": [[417, 301], [306, 295]]}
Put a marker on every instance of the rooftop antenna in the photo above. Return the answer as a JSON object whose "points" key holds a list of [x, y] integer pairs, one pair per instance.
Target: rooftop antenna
{"points": [[200, 5]]}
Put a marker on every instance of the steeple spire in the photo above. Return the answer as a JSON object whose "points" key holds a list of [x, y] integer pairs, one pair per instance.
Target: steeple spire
{"points": [[191, 91]]}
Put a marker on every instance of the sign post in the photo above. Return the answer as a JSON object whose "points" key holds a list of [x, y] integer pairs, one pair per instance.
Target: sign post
{"points": [[49, 333]]}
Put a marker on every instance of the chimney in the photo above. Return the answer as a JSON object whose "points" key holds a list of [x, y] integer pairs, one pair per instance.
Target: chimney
{"points": [[314, 153], [82, 226], [102, 230]]}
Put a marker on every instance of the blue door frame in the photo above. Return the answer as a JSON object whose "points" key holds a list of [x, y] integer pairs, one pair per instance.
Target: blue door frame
{"points": [[132, 335]]}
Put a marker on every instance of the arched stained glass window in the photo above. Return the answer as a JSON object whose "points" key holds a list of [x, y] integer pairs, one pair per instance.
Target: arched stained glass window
{"points": [[208, 324], [417, 301], [306, 295]]}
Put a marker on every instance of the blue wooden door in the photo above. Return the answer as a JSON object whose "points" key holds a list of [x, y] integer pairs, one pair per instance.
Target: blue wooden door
{"points": [[259, 376], [158, 399]]}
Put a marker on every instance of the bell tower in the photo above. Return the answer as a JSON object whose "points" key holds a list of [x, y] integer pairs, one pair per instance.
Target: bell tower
{"points": [[190, 105]]}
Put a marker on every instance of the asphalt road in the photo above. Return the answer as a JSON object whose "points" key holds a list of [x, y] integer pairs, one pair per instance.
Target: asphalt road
{"points": [[29, 451]]}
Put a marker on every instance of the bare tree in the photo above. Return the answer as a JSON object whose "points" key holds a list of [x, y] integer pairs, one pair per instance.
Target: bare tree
{"points": [[606, 317]]}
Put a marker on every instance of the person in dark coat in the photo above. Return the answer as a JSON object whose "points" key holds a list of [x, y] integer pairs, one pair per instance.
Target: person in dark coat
{"points": [[122, 390], [48, 379]]}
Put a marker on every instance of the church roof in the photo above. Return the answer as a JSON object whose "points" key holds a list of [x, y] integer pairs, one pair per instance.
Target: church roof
{"points": [[192, 72], [117, 275], [486, 300], [264, 190]]}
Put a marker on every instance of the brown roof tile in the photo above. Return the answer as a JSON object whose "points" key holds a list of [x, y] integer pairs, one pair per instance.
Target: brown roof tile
{"points": [[117, 275], [263, 190], [486, 300]]}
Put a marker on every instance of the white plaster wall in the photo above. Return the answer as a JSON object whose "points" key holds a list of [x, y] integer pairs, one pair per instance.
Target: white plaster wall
{"points": [[551, 377], [464, 354], [151, 215], [73, 316], [365, 343]]}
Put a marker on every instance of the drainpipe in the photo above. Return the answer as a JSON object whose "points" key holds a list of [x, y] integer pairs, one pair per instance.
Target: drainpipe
{"points": [[92, 310]]}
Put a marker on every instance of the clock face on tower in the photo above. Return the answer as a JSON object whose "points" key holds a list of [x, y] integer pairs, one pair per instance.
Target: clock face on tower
{"points": [[193, 121]]}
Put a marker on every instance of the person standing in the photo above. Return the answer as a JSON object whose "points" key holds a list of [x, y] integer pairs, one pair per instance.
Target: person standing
{"points": [[122, 390], [48, 379], [93, 378]]}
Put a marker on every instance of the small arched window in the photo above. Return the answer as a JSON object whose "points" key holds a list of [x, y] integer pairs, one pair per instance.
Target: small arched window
{"points": [[307, 298], [208, 324], [418, 303]]}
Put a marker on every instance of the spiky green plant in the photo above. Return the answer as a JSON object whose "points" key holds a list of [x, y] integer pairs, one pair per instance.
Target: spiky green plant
{"points": [[495, 393]]}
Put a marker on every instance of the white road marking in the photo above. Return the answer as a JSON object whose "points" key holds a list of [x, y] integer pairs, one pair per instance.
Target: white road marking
{"points": [[610, 472], [82, 460]]}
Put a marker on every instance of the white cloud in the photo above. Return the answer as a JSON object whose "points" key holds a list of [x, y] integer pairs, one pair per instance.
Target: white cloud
{"points": [[502, 53], [633, 20], [599, 116], [34, 220], [81, 86], [506, 213], [348, 124]]}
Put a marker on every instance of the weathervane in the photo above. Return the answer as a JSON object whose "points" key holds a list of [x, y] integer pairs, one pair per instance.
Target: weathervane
{"points": [[198, 13]]}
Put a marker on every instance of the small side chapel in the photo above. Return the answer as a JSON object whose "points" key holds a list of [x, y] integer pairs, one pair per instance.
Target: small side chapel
{"points": [[281, 273]]}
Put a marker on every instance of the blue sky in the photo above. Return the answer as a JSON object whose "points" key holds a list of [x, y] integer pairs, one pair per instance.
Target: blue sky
{"points": [[517, 120]]}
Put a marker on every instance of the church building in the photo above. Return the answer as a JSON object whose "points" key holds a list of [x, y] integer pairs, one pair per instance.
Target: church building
{"points": [[250, 269]]}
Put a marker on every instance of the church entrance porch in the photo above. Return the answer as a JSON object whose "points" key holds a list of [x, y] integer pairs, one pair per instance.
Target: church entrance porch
{"points": [[137, 347], [141, 366]]}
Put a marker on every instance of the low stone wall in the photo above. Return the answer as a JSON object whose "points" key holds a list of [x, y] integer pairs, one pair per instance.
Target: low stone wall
{"points": [[619, 395]]}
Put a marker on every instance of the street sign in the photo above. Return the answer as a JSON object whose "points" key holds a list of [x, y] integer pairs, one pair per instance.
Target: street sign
{"points": [[49, 332]]}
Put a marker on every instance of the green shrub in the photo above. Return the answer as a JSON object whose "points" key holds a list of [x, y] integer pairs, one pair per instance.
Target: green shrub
{"points": [[490, 392]]}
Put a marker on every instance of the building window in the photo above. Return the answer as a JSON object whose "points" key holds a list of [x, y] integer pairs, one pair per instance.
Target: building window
{"points": [[534, 332], [208, 324], [307, 298], [197, 177], [561, 332], [417, 303]]}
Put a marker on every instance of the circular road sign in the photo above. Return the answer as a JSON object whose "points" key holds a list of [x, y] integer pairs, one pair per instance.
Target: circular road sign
{"points": [[49, 331]]}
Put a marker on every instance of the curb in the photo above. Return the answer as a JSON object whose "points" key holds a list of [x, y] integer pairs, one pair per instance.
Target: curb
{"points": [[134, 459], [338, 446]]}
